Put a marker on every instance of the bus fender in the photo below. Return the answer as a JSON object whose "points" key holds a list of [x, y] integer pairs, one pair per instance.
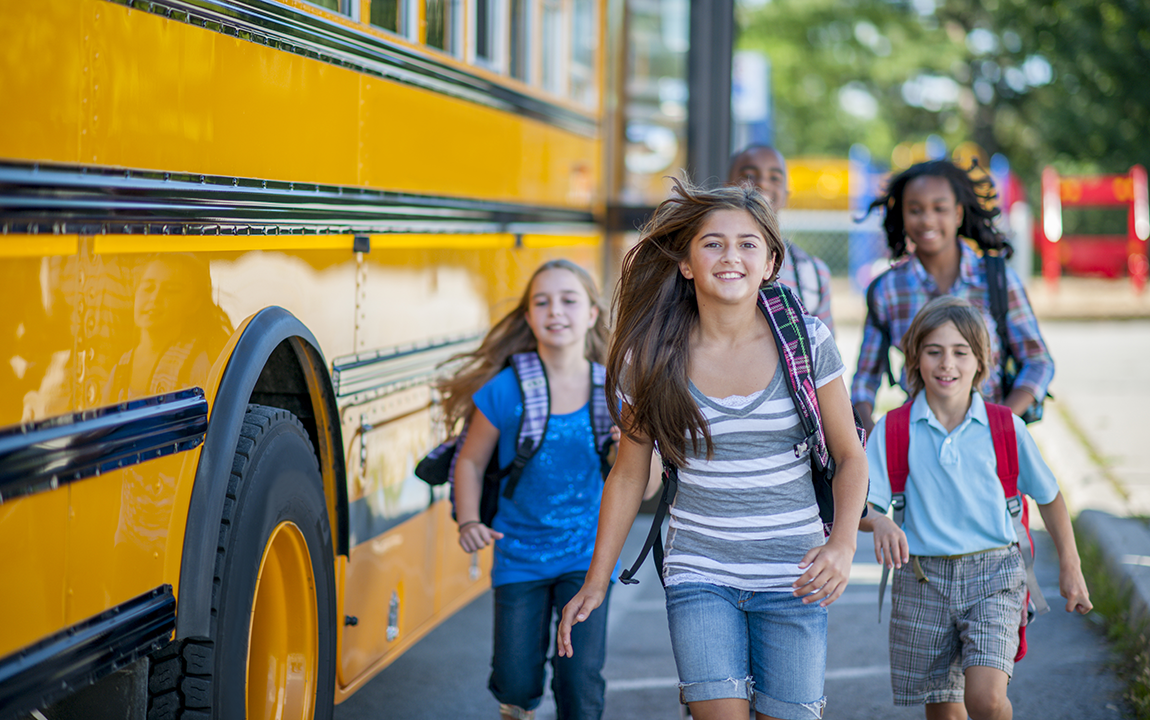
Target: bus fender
{"points": [[267, 330]]}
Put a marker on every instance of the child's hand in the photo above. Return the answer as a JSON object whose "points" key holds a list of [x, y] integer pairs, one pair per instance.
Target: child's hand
{"points": [[890, 547], [476, 536], [576, 611], [827, 570], [1073, 587]]}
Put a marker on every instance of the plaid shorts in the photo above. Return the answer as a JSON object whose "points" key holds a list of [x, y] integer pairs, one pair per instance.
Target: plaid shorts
{"points": [[967, 614]]}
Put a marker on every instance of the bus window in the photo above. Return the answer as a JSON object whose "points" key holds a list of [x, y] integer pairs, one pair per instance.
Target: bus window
{"points": [[339, 6], [582, 86], [443, 25], [487, 38], [554, 47], [385, 14], [520, 39], [398, 16]]}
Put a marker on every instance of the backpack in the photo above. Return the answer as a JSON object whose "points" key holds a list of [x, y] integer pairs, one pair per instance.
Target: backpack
{"points": [[998, 298], [1006, 460], [438, 466], [784, 313], [1008, 364]]}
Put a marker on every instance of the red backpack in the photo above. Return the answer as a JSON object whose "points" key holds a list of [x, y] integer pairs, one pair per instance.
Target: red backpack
{"points": [[1006, 457]]}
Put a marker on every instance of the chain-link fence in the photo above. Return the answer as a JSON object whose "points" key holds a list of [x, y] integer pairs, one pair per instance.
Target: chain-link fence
{"points": [[850, 249]]}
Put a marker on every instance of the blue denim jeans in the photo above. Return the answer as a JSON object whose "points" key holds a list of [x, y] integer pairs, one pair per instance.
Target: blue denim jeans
{"points": [[766, 647], [524, 615]]}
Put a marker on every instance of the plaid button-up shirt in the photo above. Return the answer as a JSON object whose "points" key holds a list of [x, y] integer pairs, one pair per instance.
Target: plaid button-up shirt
{"points": [[903, 291], [810, 278]]}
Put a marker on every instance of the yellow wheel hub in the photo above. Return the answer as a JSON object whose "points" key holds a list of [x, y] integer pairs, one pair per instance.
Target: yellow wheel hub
{"points": [[283, 640]]}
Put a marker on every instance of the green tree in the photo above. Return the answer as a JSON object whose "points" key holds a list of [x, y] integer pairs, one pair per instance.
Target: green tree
{"points": [[1094, 113], [1043, 81]]}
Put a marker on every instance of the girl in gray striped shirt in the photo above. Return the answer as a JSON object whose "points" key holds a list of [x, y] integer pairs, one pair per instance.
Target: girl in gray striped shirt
{"points": [[748, 572]]}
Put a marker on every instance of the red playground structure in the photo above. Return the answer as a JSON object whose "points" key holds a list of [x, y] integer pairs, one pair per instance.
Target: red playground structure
{"points": [[1100, 255]]}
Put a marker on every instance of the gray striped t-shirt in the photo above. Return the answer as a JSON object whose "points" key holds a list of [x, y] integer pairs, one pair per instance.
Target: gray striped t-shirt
{"points": [[745, 518]]}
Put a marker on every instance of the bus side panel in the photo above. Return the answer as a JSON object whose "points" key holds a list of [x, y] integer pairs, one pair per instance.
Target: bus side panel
{"points": [[132, 89], [32, 576], [119, 532], [457, 148], [43, 79], [185, 97]]}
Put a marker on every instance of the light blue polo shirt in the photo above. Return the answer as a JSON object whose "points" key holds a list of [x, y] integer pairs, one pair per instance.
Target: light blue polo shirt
{"points": [[954, 499]]}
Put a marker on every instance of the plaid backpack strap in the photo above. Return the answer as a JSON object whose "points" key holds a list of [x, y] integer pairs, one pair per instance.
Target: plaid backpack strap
{"points": [[782, 311], [532, 377], [1006, 461], [600, 416]]}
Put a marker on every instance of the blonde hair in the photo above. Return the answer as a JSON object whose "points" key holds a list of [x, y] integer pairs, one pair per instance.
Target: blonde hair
{"points": [[513, 335], [657, 310], [936, 313]]}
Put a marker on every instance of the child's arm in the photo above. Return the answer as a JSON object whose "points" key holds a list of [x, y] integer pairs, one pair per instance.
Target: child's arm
{"points": [[468, 483], [622, 494], [1070, 581], [827, 568], [655, 479], [890, 547]]}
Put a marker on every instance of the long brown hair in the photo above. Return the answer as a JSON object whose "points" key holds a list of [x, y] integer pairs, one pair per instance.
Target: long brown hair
{"points": [[936, 313], [657, 310], [513, 335]]}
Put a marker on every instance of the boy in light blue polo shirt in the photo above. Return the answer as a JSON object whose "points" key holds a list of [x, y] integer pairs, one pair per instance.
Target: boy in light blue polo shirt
{"points": [[959, 587]]}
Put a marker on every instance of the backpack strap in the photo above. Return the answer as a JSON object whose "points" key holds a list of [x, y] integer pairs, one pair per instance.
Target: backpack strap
{"points": [[654, 541], [532, 377], [1006, 459], [883, 329], [996, 292], [784, 314], [600, 416], [897, 471], [779, 305]]}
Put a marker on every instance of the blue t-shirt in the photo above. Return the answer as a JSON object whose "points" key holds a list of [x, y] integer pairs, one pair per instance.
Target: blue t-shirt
{"points": [[954, 499], [549, 523]]}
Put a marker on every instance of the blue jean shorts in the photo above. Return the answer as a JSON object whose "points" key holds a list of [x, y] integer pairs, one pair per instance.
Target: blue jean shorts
{"points": [[766, 647]]}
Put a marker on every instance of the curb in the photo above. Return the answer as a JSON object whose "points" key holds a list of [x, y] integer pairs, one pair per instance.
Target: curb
{"points": [[1125, 546]]}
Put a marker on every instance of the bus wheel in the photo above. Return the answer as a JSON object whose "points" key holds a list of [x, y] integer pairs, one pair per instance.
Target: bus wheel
{"points": [[272, 652]]}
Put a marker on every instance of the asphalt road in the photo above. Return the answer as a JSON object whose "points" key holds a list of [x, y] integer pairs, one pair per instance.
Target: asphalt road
{"points": [[1065, 675]]}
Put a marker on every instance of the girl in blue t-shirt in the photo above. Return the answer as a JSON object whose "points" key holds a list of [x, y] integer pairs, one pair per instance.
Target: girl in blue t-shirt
{"points": [[544, 535], [959, 588]]}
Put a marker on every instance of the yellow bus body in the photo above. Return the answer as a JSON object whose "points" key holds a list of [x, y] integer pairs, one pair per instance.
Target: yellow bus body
{"points": [[102, 94]]}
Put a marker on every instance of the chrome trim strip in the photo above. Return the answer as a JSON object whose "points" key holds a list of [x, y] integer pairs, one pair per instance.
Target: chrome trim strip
{"points": [[69, 199], [41, 456], [370, 375], [81, 654], [284, 28]]}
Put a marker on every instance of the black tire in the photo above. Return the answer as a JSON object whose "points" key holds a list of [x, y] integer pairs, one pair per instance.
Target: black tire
{"points": [[275, 479]]}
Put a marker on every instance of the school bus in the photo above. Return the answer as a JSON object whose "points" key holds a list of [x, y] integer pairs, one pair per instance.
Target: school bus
{"points": [[237, 240]]}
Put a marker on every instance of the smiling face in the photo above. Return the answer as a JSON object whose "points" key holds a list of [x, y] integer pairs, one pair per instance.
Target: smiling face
{"points": [[765, 169], [931, 214], [728, 258], [947, 364], [165, 298], [559, 312]]}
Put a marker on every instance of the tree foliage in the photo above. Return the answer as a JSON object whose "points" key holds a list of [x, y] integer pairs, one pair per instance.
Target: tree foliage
{"points": [[1043, 81]]}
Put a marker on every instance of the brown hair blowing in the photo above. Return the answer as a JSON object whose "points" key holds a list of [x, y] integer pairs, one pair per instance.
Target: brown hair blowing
{"points": [[936, 313], [657, 310], [513, 335]]}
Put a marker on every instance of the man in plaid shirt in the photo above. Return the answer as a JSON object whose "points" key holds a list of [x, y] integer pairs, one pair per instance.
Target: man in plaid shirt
{"points": [[903, 290]]}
